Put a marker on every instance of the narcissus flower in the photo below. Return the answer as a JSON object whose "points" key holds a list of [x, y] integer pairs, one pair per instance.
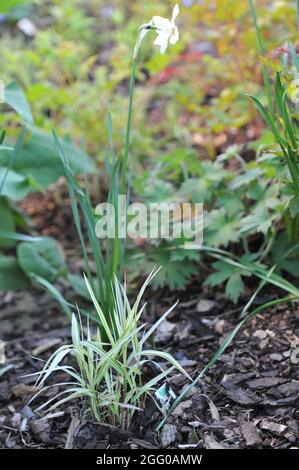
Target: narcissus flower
{"points": [[166, 29]]}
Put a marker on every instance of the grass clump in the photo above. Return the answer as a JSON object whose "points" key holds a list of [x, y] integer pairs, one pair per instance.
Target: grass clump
{"points": [[108, 373]]}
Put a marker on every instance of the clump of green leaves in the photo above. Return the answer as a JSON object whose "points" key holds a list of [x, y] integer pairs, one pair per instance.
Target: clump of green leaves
{"points": [[107, 372], [31, 165]]}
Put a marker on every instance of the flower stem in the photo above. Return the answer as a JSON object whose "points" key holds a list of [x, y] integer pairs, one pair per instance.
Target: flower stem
{"points": [[124, 168], [143, 30]]}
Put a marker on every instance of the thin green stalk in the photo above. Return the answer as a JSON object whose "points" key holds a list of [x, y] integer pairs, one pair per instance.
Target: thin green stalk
{"points": [[261, 49], [297, 7], [128, 130], [14, 156]]}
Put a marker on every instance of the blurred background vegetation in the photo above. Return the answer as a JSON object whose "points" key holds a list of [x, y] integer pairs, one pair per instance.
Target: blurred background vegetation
{"points": [[73, 59], [74, 65]]}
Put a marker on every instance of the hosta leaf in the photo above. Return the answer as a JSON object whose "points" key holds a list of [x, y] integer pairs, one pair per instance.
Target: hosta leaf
{"points": [[16, 99], [7, 222], [16, 186], [42, 258], [11, 275], [78, 284], [38, 164]]}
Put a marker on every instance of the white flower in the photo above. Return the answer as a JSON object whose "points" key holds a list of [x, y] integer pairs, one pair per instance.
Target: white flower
{"points": [[167, 30]]}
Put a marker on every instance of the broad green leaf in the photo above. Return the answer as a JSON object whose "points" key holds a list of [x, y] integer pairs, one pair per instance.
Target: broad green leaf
{"points": [[16, 187], [43, 258], [79, 286], [11, 275], [38, 164], [16, 99], [7, 222]]}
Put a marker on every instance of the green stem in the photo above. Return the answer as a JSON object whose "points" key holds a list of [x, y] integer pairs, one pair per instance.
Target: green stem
{"points": [[128, 131], [261, 49], [13, 157], [297, 5]]}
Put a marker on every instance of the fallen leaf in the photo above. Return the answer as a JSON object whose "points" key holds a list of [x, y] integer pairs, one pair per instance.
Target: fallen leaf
{"points": [[168, 434], [250, 433], [20, 390], [265, 382], [205, 306], [211, 443], [241, 396]]}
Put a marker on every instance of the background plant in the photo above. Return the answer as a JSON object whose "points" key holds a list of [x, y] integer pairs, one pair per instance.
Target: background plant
{"points": [[31, 165], [190, 106]]}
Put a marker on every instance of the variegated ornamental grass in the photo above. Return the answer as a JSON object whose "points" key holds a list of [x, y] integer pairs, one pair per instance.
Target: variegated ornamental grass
{"points": [[108, 372]]}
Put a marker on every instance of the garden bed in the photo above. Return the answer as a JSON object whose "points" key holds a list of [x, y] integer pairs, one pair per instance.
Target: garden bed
{"points": [[254, 387], [248, 399]]}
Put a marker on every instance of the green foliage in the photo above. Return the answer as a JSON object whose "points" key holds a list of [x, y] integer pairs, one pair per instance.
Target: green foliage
{"points": [[16, 99], [28, 167], [7, 5], [109, 369], [11, 275], [178, 265], [222, 229], [76, 66], [231, 275], [7, 222], [38, 164], [42, 258], [68, 87]]}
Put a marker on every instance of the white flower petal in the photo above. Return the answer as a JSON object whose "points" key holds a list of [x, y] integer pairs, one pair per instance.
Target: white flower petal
{"points": [[175, 13], [166, 30], [175, 36], [162, 39], [161, 23], [163, 47]]}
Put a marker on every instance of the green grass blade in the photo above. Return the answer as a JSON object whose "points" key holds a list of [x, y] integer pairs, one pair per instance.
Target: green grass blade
{"points": [[13, 157], [261, 49]]}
